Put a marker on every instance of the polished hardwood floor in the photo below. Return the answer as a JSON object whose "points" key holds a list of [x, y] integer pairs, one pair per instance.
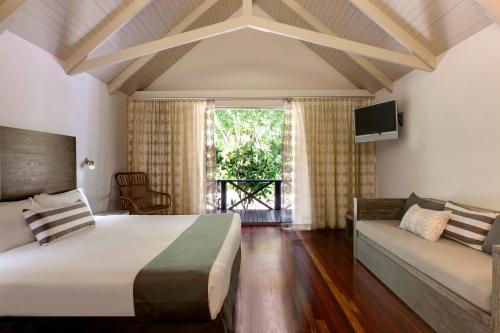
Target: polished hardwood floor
{"points": [[308, 282]]}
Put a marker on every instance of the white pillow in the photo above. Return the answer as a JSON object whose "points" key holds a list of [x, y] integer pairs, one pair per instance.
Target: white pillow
{"points": [[14, 231], [61, 199], [426, 223]]}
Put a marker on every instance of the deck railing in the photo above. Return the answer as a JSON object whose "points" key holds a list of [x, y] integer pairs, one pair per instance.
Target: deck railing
{"points": [[250, 194]]}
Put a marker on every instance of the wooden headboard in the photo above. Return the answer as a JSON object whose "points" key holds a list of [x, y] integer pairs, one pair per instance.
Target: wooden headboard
{"points": [[35, 162]]}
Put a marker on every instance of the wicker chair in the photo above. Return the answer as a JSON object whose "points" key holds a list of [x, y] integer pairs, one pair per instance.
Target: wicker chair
{"points": [[136, 196]]}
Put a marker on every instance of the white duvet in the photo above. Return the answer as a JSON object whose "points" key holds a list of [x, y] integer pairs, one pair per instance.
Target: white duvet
{"points": [[92, 272]]}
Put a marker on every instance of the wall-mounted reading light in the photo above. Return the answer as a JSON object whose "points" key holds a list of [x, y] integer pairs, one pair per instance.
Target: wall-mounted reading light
{"points": [[89, 164]]}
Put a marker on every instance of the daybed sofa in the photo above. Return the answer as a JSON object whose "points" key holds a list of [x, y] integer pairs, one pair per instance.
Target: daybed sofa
{"points": [[454, 288]]}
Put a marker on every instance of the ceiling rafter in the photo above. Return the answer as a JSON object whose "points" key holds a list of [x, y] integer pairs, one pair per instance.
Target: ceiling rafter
{"points": [[260, 24], [247, 7], [492, 9], [307, 16], [163, 44], [395, 30], [338, 43], [117, 82], [8, 8], [109, 29]]}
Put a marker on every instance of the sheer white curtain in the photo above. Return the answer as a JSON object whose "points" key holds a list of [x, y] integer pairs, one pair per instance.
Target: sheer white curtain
{"points": [[297, 195], [167, 139], [328, 169]]}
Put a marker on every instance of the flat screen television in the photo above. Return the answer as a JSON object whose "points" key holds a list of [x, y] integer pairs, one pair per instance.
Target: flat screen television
{"points": [[376, 122]]}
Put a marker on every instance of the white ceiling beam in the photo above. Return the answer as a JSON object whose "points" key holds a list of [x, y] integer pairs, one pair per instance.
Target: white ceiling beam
{"points": [[118, 81], [348, 46], [259, 24], [492, 9], [307, 16], [104, 34], [163, 44], [8, 8], [396, 31], [247, 7]]}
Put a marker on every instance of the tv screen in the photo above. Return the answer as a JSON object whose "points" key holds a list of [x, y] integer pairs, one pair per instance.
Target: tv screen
{"points": [[374, 122]]}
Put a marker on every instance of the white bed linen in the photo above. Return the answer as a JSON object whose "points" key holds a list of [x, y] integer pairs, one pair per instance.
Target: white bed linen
{"points": [[91, 273]]}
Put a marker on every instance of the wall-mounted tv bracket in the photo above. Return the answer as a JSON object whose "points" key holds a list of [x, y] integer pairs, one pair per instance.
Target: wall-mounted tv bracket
{"points": [[401, 119]]}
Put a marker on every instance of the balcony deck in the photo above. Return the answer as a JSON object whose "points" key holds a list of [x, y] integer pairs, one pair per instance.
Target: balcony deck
{"points": [[269, 214], [260, 216]]}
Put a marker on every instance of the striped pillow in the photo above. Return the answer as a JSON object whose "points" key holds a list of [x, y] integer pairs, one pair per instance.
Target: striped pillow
{"points": [[52, 223], [467, 226]]}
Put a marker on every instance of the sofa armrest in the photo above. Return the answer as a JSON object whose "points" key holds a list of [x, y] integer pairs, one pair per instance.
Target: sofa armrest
{"points": [[375, 209], [378, 209], [495, 306]]}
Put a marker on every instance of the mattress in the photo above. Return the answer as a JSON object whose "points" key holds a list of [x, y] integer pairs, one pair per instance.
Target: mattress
{"points": [[92, 272]]}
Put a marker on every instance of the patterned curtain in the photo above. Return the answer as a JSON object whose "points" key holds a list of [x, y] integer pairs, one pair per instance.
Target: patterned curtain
{"points": [[167, 139], [329, 168]]}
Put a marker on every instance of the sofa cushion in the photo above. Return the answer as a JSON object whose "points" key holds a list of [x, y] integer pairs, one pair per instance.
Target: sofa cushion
{"points": [[426, 223], [493, 237], [467, 226], [414, 199], [463, 270]]}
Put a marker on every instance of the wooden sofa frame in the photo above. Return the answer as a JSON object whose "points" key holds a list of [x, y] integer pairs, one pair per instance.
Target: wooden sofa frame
{"points": [[441, 308]]}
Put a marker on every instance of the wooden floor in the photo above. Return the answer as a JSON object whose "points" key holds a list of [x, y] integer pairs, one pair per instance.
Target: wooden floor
{"points": [[308, 282], [262, 216]]}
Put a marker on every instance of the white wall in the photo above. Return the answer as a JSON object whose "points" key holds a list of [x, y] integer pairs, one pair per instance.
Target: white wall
{"points": [[250, 60], [450, 143], [36, 94]]}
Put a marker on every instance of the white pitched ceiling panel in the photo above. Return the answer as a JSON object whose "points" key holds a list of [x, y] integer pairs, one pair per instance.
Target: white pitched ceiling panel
{"points": [[164, 60], [61, 26], [150, 24], [336, 59]]}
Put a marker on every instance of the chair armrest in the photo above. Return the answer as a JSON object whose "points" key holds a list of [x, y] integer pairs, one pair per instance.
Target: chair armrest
{"points": [[378, 209], [159, 193], [495, 306], [166, 195], [132, 203]]}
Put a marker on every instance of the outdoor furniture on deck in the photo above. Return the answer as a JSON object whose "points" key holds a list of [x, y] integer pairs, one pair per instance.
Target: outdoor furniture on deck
{"points": [[269, 213]]}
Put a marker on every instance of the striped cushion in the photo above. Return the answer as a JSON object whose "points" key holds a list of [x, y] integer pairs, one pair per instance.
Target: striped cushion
{"points": [[52, 223], [467, 226]]}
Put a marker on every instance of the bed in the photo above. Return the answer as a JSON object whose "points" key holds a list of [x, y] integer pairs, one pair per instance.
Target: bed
{"points": [[125, 274]]}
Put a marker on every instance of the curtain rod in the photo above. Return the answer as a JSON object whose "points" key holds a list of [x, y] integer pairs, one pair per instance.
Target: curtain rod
{"points": [[250, 94]]}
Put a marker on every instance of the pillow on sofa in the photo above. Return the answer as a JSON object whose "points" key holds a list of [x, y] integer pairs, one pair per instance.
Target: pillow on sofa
{"points": [[14, 231], [467, 226], [426, 223], [61, 199], [493, 237], [414, 199]]}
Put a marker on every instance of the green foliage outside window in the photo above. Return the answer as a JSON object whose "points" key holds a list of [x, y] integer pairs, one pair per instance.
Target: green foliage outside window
{"points": [[248, 146]]}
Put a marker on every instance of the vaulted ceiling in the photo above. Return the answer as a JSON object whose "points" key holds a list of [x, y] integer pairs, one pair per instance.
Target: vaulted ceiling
{"points": [[77, 31]]}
